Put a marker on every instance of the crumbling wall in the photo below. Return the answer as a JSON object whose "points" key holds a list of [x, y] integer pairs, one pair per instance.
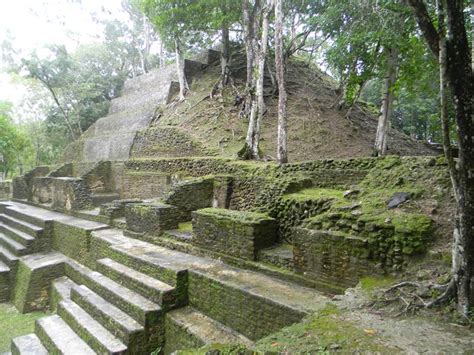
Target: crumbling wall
{"points": [[5, 189], [165, 142]]}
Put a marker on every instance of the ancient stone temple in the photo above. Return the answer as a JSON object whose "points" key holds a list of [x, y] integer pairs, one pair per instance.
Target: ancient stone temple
{"points": [[179, 250]]}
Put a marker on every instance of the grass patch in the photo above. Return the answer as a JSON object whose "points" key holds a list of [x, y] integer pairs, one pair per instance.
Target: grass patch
{"points": [[185, 227], [315, 194], [370, 283], [14, 324], [322, 333]]}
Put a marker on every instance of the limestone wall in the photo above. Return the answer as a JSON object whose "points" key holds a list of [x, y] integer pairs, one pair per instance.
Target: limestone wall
{"points": [[332, 258], [5, 189], [165, 142]]}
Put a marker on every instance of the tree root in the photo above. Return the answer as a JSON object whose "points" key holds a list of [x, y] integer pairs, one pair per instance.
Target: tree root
{"points": [[414, 296], [445, 297]]}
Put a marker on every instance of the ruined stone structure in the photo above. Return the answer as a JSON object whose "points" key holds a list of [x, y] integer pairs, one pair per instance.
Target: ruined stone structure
{"points": [[112, 137], [169, 253]]}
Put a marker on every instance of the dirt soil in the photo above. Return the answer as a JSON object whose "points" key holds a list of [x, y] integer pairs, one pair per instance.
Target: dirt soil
{"points": [[425, 333], [318, 129]]}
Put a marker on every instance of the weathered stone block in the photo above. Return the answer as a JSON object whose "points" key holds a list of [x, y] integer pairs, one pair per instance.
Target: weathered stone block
{"points": [[20, 188], [237, 233], [247, 313], [33, 280], [143, 184], [116, 209], [191, 195], [150, 218], [70, 193], [330, 257], [42, 190], [222, 191], [5, 189]]}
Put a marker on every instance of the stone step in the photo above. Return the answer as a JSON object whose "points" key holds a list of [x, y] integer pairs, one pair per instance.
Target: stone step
{"points": [[120, 324], [104, 197], [252, 304], [149, 287], [28, 345], [187, 325], [98, 338], [8, 257], [4, 282], [59, 338], [60, 290], [134, 304], [280, 255], [180, 236], [160, 263], [27, 216], [17, 235], [13, 246], [18, 224]]}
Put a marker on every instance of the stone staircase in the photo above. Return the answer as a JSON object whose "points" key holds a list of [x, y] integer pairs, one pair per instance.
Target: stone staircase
{"points": [[20, 235], [136, 297], [111, 137]]}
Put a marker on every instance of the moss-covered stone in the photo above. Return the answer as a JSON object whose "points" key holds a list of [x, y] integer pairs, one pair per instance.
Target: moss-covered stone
{"points": [[150, 218], [191, 195], [237, 233]]}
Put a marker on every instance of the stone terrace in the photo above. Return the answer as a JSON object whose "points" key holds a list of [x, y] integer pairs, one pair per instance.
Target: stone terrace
{"points": [[115, 294]]}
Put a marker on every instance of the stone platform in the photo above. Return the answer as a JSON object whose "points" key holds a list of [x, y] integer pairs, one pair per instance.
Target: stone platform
{"points": [[115, 294]]}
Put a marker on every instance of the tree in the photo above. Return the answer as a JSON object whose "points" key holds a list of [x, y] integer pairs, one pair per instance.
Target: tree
{"points": [[81, 84], [383, 126], [52, 74], [282, 139], [456, 68], [176, 21], [13, 142], [221, 15], [371, 39], [256, 54], [141, 33]]}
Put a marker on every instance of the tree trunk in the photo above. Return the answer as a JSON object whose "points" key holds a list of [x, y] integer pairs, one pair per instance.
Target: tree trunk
{"points": [[461, 82], [65, 115], [258, 103], [282, 150], [225, 55], [250, 21], [183, 83], [142, 61], [443, 96], [162, 55], [381, 138], [460, 79]]}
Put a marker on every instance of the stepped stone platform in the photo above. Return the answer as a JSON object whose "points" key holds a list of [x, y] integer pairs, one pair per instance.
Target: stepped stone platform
{"points": [[112, 137], [115, 294]]}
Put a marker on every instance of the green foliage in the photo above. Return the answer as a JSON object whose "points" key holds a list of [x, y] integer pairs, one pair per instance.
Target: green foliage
{"points": [[81, 84], [180, 20], [15, 145]]}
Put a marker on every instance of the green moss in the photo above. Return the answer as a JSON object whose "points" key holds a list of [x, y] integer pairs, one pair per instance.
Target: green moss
{"points": [[217, 349], [370, 283], [322, 332], [14, 324], [314, 194], [185, 227], [242, 216]]}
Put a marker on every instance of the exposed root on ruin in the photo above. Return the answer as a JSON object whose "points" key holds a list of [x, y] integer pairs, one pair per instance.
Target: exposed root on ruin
{"points": [[412, 296]]}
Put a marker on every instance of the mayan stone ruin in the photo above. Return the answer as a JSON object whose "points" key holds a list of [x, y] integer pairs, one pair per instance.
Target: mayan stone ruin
{"points": [[143, 240]]}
